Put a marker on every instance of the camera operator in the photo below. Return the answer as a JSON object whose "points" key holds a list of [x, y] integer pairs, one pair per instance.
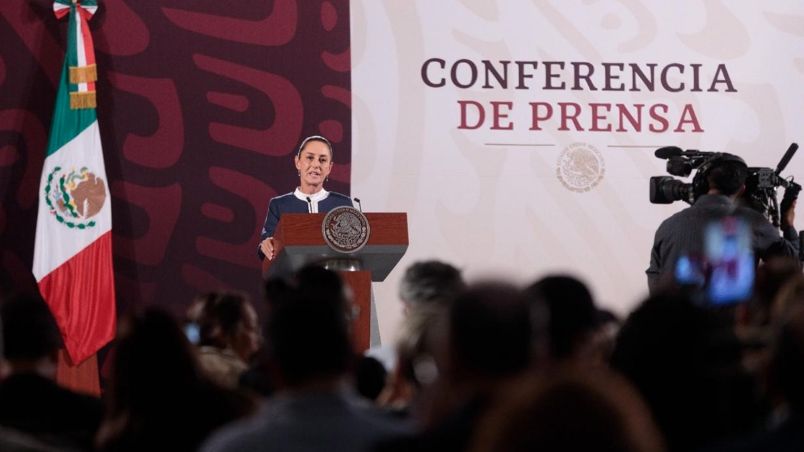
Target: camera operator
{"points": [[682, 234]]}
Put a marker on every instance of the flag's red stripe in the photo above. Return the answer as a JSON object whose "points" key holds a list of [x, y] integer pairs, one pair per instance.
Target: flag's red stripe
{"points": [[81, 295], [89, 46]]}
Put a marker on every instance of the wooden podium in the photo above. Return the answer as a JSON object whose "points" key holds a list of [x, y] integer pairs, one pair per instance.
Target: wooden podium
{"points": [[298, 240]]}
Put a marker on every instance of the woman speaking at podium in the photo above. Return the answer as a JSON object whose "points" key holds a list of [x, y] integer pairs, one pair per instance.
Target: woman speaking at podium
{"points": [[314, 163]]}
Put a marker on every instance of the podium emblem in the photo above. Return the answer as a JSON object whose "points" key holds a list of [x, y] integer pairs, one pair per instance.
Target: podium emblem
{"points": [[345, 229]]}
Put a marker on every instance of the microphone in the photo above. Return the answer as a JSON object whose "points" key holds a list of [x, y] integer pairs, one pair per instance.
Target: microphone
{"points": [[668, 152], [309, 205], [786, 158], [359, 206]]}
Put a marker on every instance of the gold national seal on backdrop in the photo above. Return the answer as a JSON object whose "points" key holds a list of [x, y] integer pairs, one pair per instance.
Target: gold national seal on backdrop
{"points": [[345, 229], [580, 167]]}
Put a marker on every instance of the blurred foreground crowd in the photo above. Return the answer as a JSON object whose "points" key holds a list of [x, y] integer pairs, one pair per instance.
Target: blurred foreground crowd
{"points": [[486, 366]]}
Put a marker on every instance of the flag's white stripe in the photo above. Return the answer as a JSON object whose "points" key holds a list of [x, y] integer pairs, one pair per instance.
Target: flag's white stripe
{"points": [[55, 242], [81, 51], [82, 58]]}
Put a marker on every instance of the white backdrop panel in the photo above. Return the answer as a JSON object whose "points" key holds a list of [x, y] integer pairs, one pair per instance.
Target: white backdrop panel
{"points": [[493, 201]]}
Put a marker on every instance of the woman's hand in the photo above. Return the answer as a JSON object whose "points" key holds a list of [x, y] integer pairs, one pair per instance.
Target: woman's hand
{"points": [[267, 248]]}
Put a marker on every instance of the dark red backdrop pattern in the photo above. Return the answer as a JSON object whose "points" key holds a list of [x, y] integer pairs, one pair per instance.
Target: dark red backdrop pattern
{"points": [[201, 104]]}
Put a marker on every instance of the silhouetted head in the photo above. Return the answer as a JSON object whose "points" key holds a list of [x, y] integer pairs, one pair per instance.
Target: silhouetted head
{"points": [[789, 298], [152, 362], [727, 174], [427, 282], [686, 363], [787, 362], [569, 411], [370, 377], [30, 332], [228, 320], [157, 399], [771, 277], [489, 331], [571, 311], [307, 334]]}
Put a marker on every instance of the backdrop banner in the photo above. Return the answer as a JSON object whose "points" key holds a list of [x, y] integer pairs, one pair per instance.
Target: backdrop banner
{"points": [[201, 107], [520, 135]]}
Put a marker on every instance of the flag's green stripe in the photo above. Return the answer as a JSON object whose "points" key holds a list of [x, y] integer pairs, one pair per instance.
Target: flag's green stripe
{"points": [[67, 124], [72, 43]]}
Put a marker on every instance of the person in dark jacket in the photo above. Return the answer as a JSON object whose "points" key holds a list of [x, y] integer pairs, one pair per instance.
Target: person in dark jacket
{"points": [[31, 403], [314, 163]]}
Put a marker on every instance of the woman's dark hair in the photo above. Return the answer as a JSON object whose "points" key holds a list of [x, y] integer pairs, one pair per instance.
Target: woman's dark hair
{"points": [[318, 138], [222, 314]]}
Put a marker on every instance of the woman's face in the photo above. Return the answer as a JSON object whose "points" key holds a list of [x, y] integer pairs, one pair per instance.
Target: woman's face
{"points": [[314, 164]]}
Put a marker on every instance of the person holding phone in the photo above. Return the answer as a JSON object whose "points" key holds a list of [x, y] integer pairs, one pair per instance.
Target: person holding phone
{"points": [[313, 161], [681, 236]]}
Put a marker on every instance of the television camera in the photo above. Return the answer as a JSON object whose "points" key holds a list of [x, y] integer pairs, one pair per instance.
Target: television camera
{"points": [[760, 186]]}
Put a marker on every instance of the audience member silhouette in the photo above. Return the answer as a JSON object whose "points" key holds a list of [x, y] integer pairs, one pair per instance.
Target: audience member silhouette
{"points": [[428, 283], [755, 322], [31, 403], [785, 377], [426, 290], [489, 334], [787, 383], [370, 377], [569, 411], [309, 344], [770, 278], [488, 344], [158, 398], [605, 336], [686, 362], [463, 357], [789, 299], [229, 337], [573, 319]]}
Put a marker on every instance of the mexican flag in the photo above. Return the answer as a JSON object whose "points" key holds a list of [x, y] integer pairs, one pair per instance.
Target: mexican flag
{"points": [[73, 249]]}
